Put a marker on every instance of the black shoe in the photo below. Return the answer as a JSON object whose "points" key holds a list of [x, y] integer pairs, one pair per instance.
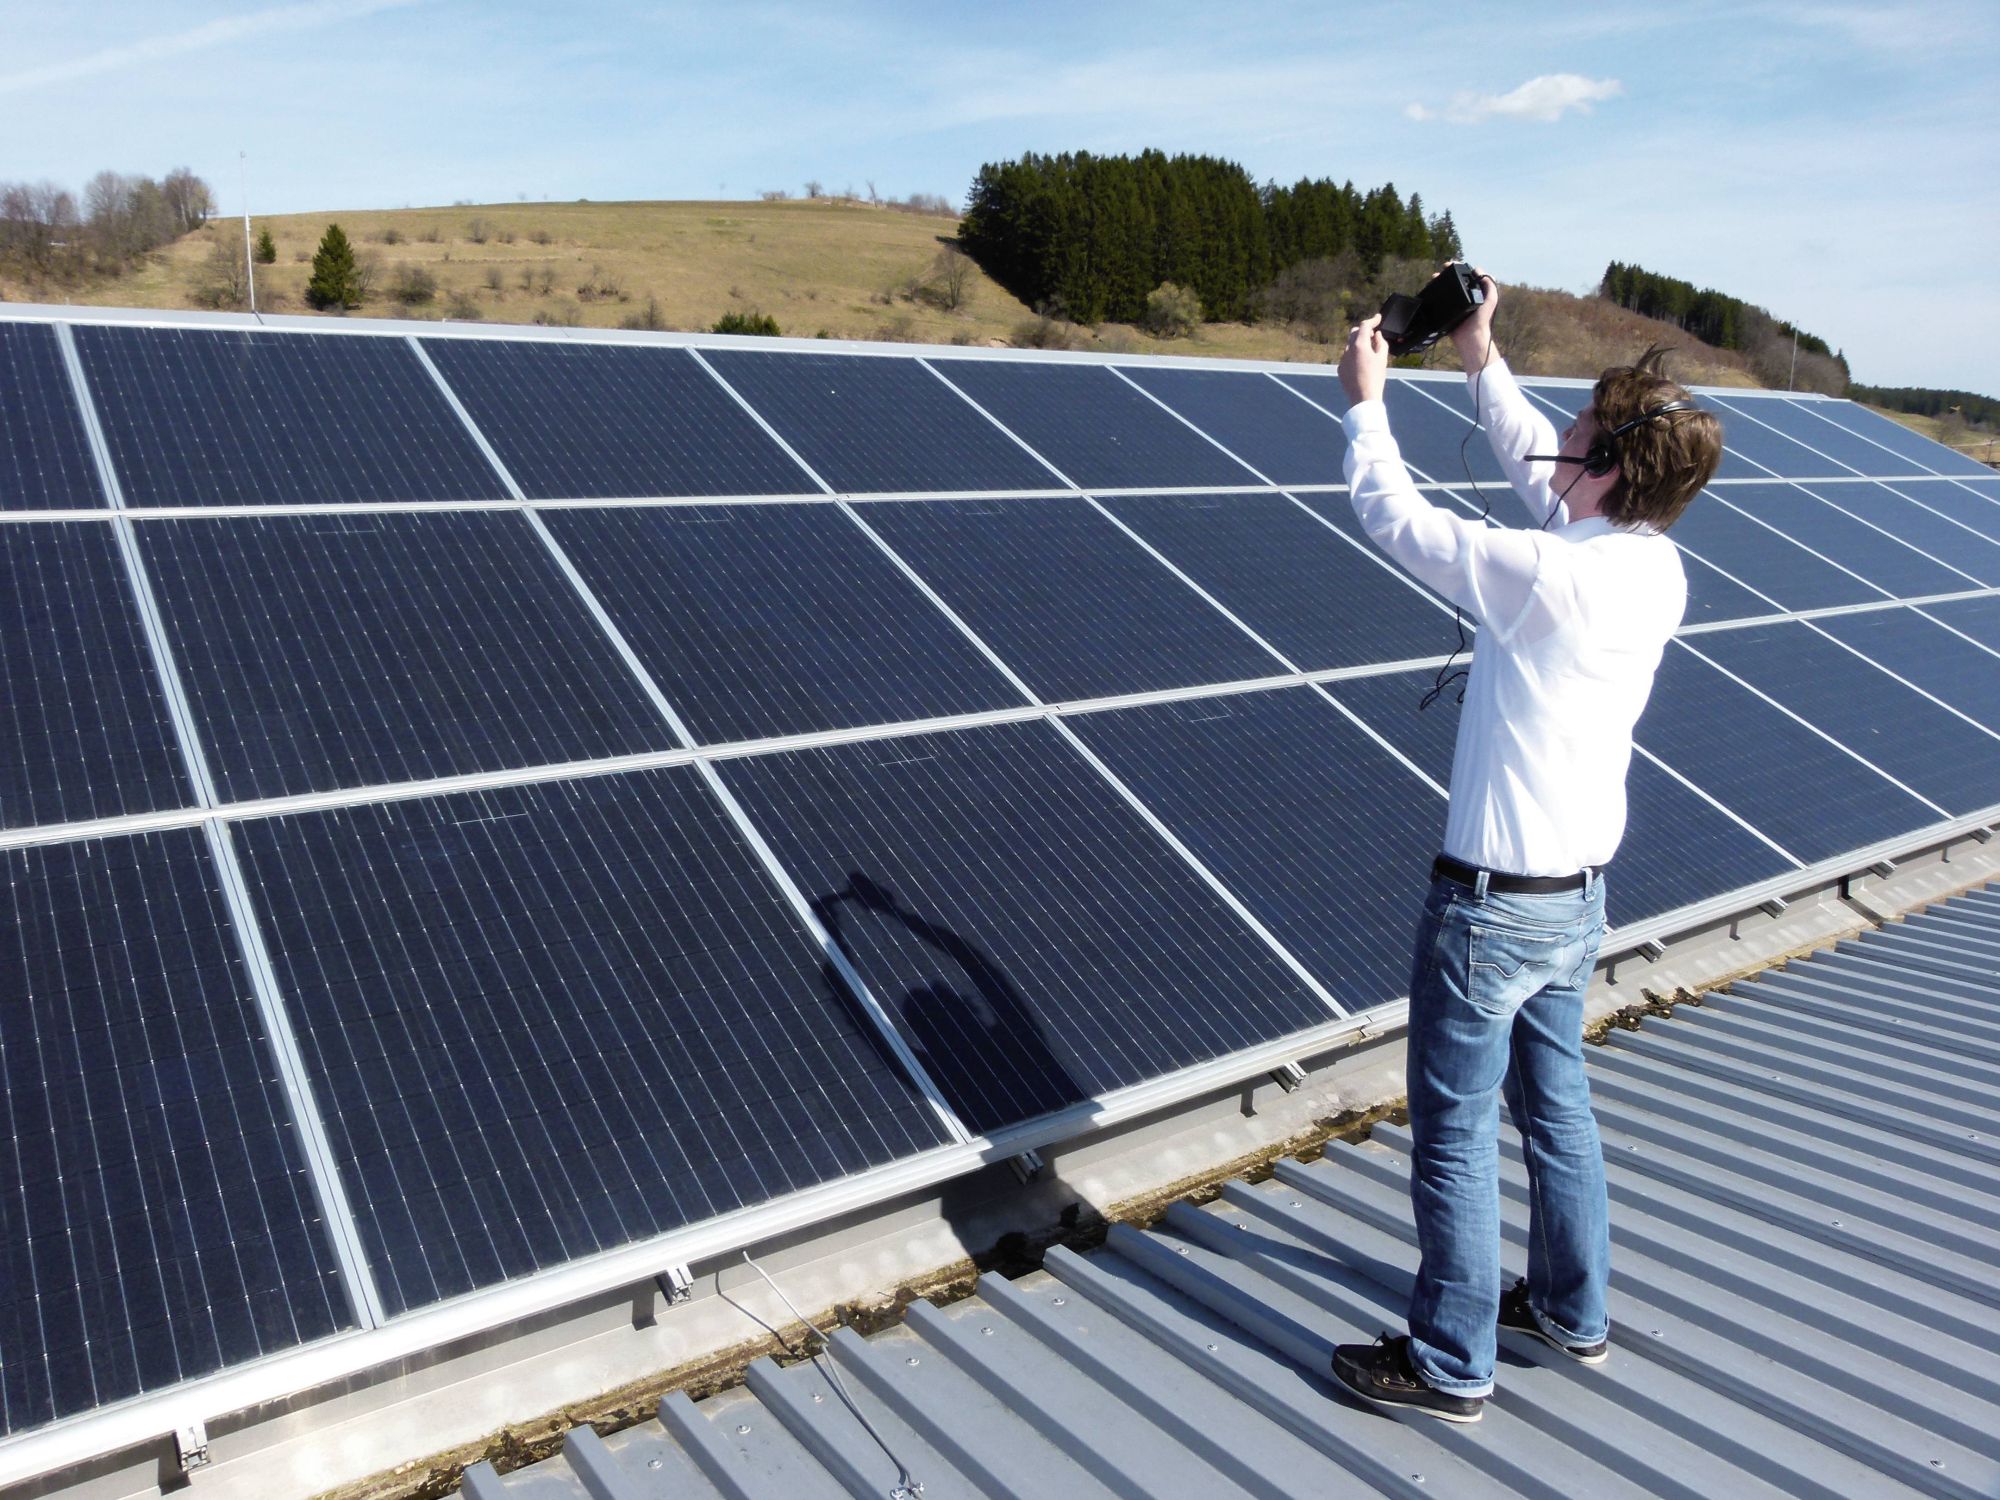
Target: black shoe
{"points": [[1515, 1313], [1381, 1372]]}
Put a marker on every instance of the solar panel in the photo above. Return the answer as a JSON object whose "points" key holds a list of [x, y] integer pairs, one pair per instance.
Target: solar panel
{"points": [[550, 1020], [1971, 505], [218, 417], [1893, 437], [766, 620], [337, 650], [1817, 520], [45, 459], [1969, 550], [1978, 618], [1069, 601], [1436, 435], [1324, 835], [1321, 600], [1790, 572], [1774, 772], [1099, 431], [155, 1218], [1936, 754], [604, 421], [1678, 848], [879, 425], [1770, 452], [1927, 655], [1800, 422], [1260, 420], [84, 731], [1034, 939]]}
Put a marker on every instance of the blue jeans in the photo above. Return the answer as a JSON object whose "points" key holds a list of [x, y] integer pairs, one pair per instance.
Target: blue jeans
{"points": [[1496, 1005]]}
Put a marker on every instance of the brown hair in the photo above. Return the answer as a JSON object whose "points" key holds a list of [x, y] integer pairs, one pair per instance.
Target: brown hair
{"points": [[1662, 464]]}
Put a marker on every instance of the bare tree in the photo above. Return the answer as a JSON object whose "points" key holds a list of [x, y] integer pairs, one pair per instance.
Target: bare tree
{"points": [[190, 202], [874, 198], [813, 187], [223, 280]]}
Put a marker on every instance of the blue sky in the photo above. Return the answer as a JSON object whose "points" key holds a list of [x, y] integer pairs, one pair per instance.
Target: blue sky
{"points": [[1824, 160]]}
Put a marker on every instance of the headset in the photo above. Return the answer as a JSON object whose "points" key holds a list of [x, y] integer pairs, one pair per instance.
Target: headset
{"points": [[1601, 457]]}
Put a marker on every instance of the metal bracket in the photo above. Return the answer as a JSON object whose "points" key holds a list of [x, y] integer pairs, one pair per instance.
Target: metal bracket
{"points": [[1774, 906], [1652, 950], [1982, 835], [1883, 868], [1028, 1165], [1289, 1076], [191, 1446], [676, 1284]]}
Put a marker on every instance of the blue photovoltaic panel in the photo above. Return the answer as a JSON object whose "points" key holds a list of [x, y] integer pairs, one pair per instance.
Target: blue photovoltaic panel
{"points": [[603, 421], [156, 1220], [1317, 598], [1769, 450], [1677, 848], [1066, 599], [1034, 939], [1968, 502], [1978, 618], [337, 650], [84, 731], [1800, 421], [1767, 560], [214, 417], [1714, 596], [546, 1021], [1892, 435], [1929, 749], [1098, 430], [1926, 654], [1562, 403], [1910, 511], [869, 423], [1262, 422], [764, 620], [1841, 536], [1769, 769], [1317, 829], [45, 461], [1434, 431]]}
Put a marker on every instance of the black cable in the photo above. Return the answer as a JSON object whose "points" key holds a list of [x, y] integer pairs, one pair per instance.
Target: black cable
{"points": [[1447, 674]]}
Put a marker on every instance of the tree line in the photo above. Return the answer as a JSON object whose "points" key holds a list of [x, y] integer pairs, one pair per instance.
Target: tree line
{"points": [[1978, 411], [1728, 323], [1095, 236], [46, 231]]}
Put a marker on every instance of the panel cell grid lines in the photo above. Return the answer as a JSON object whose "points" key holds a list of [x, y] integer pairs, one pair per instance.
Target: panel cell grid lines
{"points": [[1319, 599], [1938, 755], [1069, 601], [1324, 835], [1882, 558], [45, 459], [326, 651], [1978, 618], [1769, 561], [1798, 422], [767, 620], [1440, 440], [1969, 503], [545, 1021], [1928, 516], [207, 417], [1769, 769], [1677, 848], [156, 1222], [601, 421], [1264, 423], [1894, 436], [1941, 662], [1099, 431], [1036, 942], [84, 731], [870, 424]]}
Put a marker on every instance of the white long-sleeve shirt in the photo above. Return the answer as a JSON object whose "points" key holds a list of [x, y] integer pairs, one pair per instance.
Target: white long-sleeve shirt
{"points": [[1572, 621]]}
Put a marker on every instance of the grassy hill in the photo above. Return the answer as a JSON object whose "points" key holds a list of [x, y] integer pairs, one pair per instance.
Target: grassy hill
{"points": [[829, 266]]}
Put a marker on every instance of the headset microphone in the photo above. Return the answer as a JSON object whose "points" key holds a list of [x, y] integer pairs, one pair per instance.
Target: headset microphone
{"points": [[1602, 455]]}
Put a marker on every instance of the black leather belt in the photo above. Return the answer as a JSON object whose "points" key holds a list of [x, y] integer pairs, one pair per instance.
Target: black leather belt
{"points": [[1520, 885]]}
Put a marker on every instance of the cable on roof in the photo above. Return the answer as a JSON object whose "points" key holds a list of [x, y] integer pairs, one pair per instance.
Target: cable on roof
{"points": [[908, 1486]]}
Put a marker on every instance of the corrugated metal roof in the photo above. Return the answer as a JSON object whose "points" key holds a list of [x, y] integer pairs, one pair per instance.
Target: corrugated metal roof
{"points": [[1805, 1183]]}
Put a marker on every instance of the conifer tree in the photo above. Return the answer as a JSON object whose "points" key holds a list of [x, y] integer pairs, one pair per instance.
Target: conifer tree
{"points": [[335, 283], [267, 249]]}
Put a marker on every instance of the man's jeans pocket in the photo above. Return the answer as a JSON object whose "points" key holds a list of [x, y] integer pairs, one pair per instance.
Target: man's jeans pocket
{"points": [[1504, 966]]}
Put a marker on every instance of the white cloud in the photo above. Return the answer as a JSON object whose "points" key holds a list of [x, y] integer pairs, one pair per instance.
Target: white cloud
{"points": [[1546, 98], [212, 34]]}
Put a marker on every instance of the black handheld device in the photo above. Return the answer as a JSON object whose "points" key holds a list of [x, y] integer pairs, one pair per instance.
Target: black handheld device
{"points": [[1412, 324]]}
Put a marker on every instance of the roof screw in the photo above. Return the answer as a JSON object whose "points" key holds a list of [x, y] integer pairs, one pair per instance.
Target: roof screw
{"points": [[1837, 1224], [742, 1429], [1215, 1348], [1180, 1249], [1418, 1478], [1062, 1302], [1297, 1204], [819, 1396], [1937, 1463], [655, 1463], [987, 1330], [911, 1361]]}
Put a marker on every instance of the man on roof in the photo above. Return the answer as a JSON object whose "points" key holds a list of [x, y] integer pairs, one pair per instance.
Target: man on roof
{"points": [[1573, 612]]}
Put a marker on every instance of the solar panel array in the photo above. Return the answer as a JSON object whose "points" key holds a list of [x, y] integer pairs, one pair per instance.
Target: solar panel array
{"points": [[471, 803]]}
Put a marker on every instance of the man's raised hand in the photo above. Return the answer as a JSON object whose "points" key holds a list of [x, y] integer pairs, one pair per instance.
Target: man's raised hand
{"points": [[1364, 365], [1474, 337]]}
